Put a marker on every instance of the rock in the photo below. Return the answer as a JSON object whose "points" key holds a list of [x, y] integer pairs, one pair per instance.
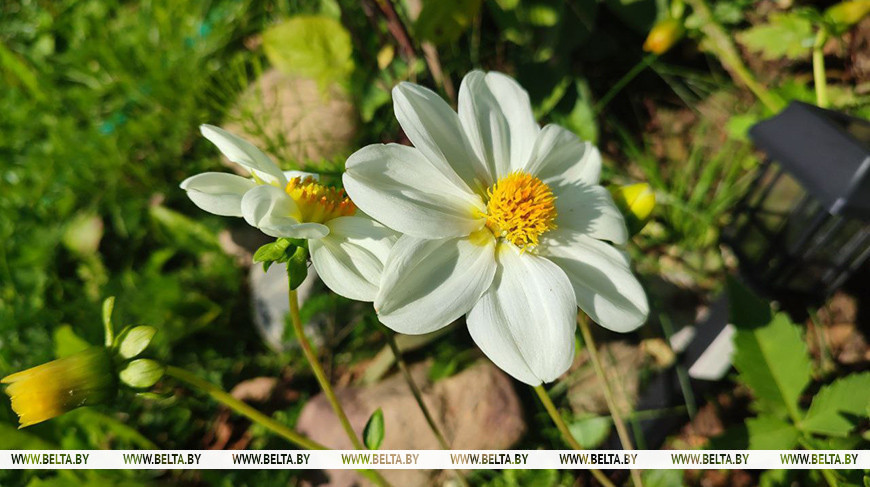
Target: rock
{"points": [[269, 300], [622, 364], [476, 409], [293, 120]]}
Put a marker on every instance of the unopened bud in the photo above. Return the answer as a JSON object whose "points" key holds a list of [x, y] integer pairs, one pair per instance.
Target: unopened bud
{"points": [[848, 13], [636, 202], [664, 34]]}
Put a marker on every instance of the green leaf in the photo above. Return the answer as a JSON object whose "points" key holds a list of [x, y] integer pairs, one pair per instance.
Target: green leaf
{"points": [[297, 267], [141, 373], [373, 433], [590, 431], [135, 340], [773, 361], [786, 35], [747, 309], [581, 118], [67, 343], [276, 251], [182, 231], [444, 21], [771, 433], [662, 478], [312, 46], [837, 405]]}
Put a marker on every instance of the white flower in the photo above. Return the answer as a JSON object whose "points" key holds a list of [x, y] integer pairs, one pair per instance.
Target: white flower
{"points": [[502, 221], [348, 249]]}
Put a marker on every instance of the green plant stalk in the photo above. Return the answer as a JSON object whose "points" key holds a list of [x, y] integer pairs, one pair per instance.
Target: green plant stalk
{"points": [[418, 396], [626, 78], [243, 409], [827, 474], [313, 361], [722, 45], [566, 433], [618, 422], [820, 80]]}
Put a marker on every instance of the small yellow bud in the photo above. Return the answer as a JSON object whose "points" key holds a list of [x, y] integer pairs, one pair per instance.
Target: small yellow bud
{"points": [[848, 13], [54, 388], [663, 36], [636, 202]]}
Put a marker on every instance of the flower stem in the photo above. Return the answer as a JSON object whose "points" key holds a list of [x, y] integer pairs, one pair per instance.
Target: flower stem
{"points": [[247, 411], [242, 408], [566, 433], [313, 361], [418, 396], [618, 422], [820, 80], [626, 78]]}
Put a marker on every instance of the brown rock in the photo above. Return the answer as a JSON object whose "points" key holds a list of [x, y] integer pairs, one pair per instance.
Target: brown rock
{"points": [[293, 120], [476, 409]]}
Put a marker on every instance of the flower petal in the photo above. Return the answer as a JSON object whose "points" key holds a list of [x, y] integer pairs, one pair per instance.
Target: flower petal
{"points": [[497, 117], [350, 260], [429, 283], [275, 213], [560, 158], [525, 322], [433, 127], [400, 188], [244, 153], [603, 283], [301, 174], [217, 192], [590, 210]]}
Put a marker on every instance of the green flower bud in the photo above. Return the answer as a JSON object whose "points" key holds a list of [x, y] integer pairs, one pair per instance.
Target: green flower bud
{"points": [[848, 13], [49, 390]]}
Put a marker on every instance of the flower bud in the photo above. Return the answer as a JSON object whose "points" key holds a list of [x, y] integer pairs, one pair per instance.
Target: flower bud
{"points": [[636, 202], [848, 13], [664, 34], [49, 390]]}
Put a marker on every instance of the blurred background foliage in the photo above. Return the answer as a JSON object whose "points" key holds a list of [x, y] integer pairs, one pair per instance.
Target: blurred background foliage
{"points": [[100, 105]]}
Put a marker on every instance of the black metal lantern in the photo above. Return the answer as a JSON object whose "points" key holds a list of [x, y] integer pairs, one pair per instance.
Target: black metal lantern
{"points": [[803, 227]]}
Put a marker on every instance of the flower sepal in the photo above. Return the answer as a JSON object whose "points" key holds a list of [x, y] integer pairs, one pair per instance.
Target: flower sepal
{"points": [[293, 252]]}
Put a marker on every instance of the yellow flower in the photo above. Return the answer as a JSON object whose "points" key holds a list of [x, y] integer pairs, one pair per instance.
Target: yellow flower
{"points": [[49, 390], [636, 201], [663, 36]]}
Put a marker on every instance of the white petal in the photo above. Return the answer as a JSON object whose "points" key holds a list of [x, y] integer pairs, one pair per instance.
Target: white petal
{"points": [[350, 260], [217, 192], [244, 153], [301, 174], [400, 188], [603, 283], [560, 158], [429, 283], [275, 213], [525, 322], [590, 210], [433, 127], [497, 117]]}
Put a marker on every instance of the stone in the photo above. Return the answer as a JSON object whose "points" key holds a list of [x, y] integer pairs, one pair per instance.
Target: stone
{"points": [[475, 409]]}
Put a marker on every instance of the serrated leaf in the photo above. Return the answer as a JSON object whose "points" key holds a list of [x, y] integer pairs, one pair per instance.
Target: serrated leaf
{"points": [[312, 46], [444, 21], [837, 405], [373, 433], [135, 340], [771, 433], [773, 361], [785, 35], [590, 431]]}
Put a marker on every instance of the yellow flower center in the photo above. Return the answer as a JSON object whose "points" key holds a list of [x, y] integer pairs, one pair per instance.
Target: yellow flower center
{"points": [[520, 209], [318, 203]]}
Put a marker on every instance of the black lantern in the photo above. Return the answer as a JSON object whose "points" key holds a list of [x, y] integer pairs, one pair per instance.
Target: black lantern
{"points": [[803, 227]]}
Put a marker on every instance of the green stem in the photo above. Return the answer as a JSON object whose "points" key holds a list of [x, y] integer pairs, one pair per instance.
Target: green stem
{"points": [[311, 357], [566, 433], [618, 422], [242, 408], [721, 44], [418, 396], [820, 80], [257, 417], [626, 78]]}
